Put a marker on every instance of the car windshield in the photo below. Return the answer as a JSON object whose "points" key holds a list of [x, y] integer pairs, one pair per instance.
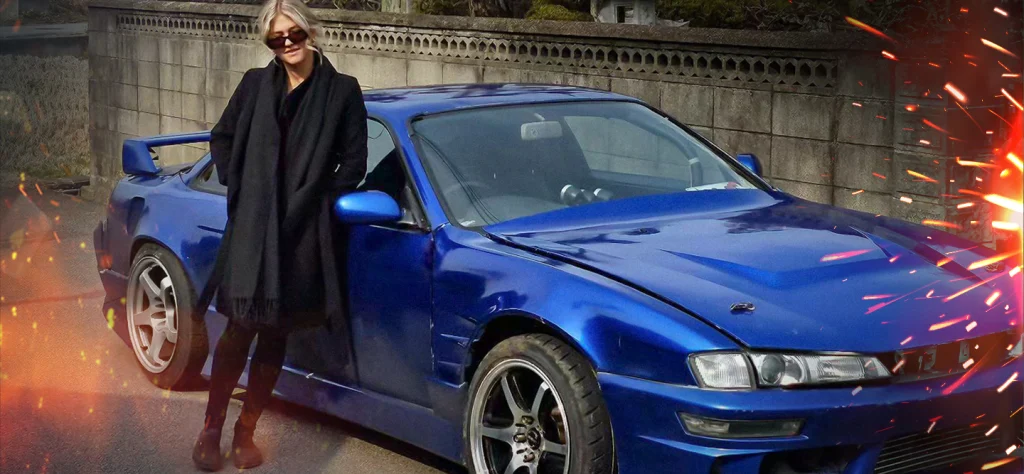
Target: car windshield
{"points": [[494, 164]]}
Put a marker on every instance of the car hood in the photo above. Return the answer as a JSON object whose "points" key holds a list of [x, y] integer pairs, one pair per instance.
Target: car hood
{"points": [[820, 278]]}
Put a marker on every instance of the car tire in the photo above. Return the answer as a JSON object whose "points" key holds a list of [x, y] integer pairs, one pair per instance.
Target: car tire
{"points": [[158, 305], [569, 423]]}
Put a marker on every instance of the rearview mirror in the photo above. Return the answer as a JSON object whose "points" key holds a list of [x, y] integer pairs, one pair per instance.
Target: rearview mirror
{"points": [[370, 207], [750, 161]]}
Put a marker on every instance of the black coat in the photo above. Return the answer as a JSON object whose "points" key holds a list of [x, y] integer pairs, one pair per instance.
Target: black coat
{"points": [[284, 164]]}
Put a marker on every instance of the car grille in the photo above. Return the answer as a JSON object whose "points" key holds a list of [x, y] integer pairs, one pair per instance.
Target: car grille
{"points": [[925, 451]]}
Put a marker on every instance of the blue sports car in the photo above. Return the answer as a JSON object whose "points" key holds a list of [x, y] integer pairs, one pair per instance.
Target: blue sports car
{"points": [[548, 279]]}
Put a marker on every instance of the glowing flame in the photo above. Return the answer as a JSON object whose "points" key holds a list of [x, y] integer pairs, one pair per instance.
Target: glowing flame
{"points": [[948, 225], [995, 464], [1012, 100], [997, 47], [1003, 201], [951, 322], [889, 55], [1015, 160], [868, 28], [843, 255], [949, 87], [988, 261], [992, 299], [1006, 384]]}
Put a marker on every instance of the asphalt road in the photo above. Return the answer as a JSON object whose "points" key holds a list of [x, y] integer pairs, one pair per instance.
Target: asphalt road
{"points": [[72, 397]]}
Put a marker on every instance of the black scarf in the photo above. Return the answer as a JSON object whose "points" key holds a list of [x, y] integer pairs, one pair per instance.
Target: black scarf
{"points": [[257, 226]]}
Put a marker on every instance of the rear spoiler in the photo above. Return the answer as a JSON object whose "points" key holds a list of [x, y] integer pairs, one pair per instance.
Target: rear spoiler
{"points": [[138, 157]]}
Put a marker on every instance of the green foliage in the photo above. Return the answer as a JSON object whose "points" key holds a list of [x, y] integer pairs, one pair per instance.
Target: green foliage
{"points": [[443, 7], [706, 13], [547, 10]]}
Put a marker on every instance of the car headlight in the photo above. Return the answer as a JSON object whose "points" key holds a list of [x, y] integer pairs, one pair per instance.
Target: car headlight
{"points": [[745, 371]]}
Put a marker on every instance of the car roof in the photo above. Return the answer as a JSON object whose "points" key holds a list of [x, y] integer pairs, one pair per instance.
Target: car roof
{"points": [[403, 103]]}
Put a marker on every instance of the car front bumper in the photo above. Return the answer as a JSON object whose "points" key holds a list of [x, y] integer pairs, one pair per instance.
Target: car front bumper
{"points": [[847, 423]]}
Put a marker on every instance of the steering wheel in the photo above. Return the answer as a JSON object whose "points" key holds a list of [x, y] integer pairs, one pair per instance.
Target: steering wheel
{"points": [[467, 184]]}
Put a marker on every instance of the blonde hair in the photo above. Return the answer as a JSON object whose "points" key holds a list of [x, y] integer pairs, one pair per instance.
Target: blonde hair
{"points": [[294, 9]]}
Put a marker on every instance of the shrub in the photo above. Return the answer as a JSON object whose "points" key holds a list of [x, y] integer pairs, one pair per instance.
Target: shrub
{"points": [[44, 115], [543, 11]]}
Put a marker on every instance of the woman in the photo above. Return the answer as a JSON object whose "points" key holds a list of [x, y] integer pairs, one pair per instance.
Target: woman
{"points": [[291, 139]]}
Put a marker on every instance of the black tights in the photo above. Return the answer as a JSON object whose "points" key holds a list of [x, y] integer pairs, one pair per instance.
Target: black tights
{"points": [[228, 363]]}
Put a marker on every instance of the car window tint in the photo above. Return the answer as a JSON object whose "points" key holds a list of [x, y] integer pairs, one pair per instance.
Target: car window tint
{"points": [[378, 144], [208, 181]]}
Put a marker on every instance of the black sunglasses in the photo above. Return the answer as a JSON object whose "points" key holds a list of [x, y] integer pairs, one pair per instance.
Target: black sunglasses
{"points": [[296, 37]]}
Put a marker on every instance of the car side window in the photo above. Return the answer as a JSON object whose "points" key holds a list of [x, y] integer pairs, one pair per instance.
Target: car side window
{"points": [[385, 172], [208, 181]]}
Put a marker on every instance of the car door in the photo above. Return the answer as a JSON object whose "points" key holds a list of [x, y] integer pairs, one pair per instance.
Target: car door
{"points": [[389, 293]]}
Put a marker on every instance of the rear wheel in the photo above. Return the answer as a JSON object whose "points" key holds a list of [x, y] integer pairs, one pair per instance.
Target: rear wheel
{"points": [[535, 408], [169, 346]]}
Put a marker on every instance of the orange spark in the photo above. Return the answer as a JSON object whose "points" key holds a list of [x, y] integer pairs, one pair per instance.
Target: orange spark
{"points": [[40, 191], [843, 255], [997, 47], [857, 104], [857, 192], [951, 322], [1006, 384], [976, 164], [924, 142], [908, 339], [921, 176], [992, 299], [1002, 201], [1010, 75], [948, 225], [1015, 160], [889, 55], [1001, 225], [55, 237], [1014, 271], [910, 107], [868, 28], [1000, 117], [995, 464], [988, 261], [907, 199], [1004, 173], [932, 125], [1012, 100], [1000, 11], [949, 87], [877, 297], [970, 327], [965, 205], [878, 175], [943, 262], [969, 288], [21, 187]]}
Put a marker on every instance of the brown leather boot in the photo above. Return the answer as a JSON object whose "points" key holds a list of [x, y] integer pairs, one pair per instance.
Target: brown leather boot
{"points": [[244, 452], [206, 454]]}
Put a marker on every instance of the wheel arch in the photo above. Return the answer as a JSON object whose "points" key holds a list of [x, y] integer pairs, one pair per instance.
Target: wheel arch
{"points": [[511, 324]]}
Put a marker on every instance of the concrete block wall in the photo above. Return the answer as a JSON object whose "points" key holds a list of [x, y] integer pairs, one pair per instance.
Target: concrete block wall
{"points": [[820, 111]]}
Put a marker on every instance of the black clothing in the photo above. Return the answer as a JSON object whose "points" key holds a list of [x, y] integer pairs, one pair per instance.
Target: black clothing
{"points": [[276, 267], [228, 363]]}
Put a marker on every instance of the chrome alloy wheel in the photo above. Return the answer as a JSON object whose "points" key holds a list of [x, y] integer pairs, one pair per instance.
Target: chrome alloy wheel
{"points": [[152, 314], [517, 423]]}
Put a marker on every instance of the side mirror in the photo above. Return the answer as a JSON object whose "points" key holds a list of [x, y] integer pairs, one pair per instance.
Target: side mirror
{"points": [[750, 161], [370, 207]]}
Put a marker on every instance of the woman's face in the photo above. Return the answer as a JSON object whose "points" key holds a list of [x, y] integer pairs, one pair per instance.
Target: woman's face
{"points": [[291, 53]]}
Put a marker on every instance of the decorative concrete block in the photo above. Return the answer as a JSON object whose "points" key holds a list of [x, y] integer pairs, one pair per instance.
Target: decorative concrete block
{"points": [[98, 117], [149, 74], [603, 83], [709, 133], [149, 100], [170, 77], [460, 74], [647, 91], [389, 72], [360, 66], [543, 77], [189, 126], [689, 104], [221, 83], [501, 75], [193, 53], [865, 76], [868, 123], [128, 121], [170, 50], [149, 124], [742, 109], [220, 55], [929, 166], [214, 108], [193, 80], [170, 103], [97, 43], [128, 71], [802, 116], [193, 108], [818, 193], [147, 48], [170, 124], [864, 167], [796, 159], [734, 142], [242, 56], [127, 96], [422, 73]]}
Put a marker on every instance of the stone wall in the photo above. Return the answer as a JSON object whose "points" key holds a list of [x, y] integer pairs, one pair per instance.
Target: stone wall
{"points": [[819, 110]]}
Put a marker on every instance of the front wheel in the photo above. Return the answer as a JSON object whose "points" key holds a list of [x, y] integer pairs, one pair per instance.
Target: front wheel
{"points": [[535, 408]]}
